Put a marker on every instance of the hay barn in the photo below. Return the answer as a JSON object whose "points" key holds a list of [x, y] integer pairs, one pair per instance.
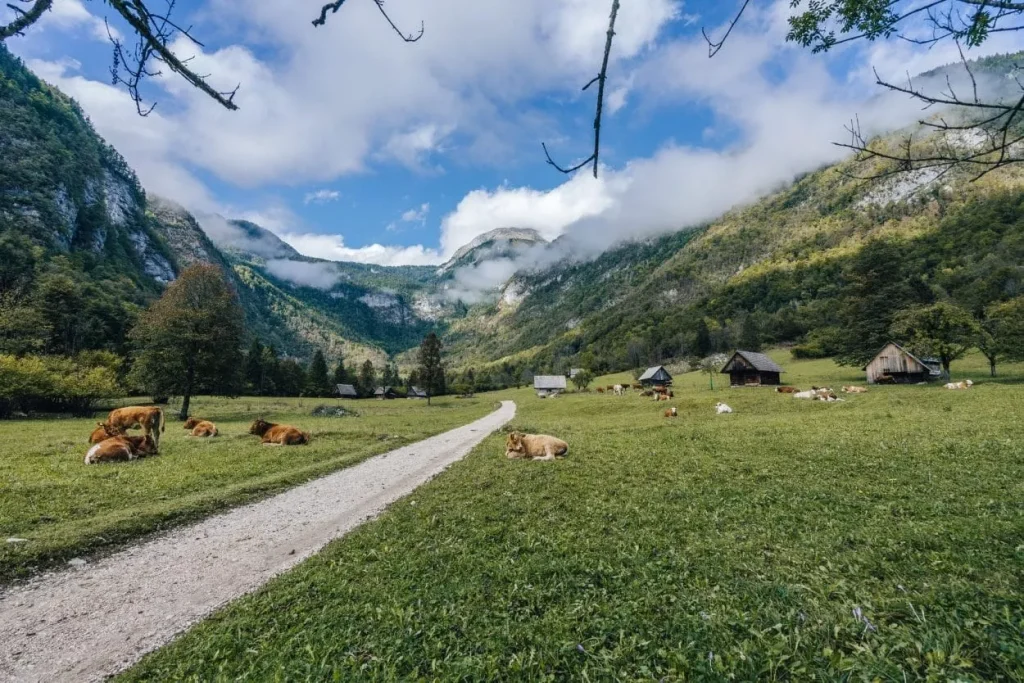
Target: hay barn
{"points": [[656, 376], [752, 369], [894, 364], [346, 391]]}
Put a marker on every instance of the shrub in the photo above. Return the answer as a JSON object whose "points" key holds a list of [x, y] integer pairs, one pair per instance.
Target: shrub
{"points": [[57, 383]]}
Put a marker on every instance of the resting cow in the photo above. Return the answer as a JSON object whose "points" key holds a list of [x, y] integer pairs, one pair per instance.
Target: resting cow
{"points": [[534, 446], [103, 432], [120, 448], [966, 384], [786, 390], [722, 409], [149, 418], [855, 390], [278, 435], [199, 427], [672, 412]]}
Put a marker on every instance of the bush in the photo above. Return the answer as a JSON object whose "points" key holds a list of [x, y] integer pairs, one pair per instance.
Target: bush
{"points": [[57, 383]]}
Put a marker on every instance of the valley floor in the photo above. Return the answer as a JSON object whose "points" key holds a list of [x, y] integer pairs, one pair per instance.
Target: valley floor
{"points": [[878, 538], [63, 508]]}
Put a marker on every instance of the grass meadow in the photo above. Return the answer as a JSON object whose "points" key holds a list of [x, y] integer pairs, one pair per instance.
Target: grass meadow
{"points": [[65, 508], [881, 538]]}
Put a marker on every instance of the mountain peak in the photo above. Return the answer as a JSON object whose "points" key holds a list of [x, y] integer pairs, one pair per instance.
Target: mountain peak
{"points": [[493, 244]]}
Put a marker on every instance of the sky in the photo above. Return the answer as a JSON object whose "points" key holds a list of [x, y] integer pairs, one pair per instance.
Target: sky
{"points": [[353, 145]]}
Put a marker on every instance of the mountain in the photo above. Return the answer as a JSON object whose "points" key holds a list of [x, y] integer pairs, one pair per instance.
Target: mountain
{"points": [[499, 243]]}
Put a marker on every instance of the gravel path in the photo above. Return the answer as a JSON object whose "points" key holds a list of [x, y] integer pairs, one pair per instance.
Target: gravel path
{"points": [[87, 623]]}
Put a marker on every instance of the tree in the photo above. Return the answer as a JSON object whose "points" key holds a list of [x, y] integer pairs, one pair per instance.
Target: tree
{"points": [[582, 380], [702, 345], [750, 334], [340, 375], [254, 368], [431, 371], [367, 378], [317, 382], [711, 366], [291, 378], [190, 339], [943, 330], [525, 377], [1005, 323]]}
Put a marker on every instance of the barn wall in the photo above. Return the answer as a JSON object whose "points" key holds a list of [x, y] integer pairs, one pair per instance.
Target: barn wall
{"points": [[892, 360]]}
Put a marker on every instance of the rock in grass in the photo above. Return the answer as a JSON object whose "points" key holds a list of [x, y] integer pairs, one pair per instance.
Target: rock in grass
{"points": [[17, 540], [77, 562], [332, 411]]}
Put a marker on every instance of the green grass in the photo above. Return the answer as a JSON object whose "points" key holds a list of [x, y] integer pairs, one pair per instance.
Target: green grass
{"points": [[702, 548], [65, 508]]}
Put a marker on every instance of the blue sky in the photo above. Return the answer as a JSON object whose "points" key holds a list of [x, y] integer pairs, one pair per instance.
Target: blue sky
{"points": [[354, 146]]}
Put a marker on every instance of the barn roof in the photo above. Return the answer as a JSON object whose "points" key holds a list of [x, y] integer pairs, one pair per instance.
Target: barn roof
{"points": [[417, 392], [758, 361], [380, 391], [346, 390], [653, 373], [549, 382]]}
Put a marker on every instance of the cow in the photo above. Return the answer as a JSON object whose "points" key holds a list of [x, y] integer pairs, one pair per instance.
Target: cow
{"points": [[534, 446], [149, 418], [197, 427], [103, 432], [659, 388], [672, 412], [648, 393], [120, 449], [661, 397], [638, 387], [722, 409], [619, 390], [806, 394], [786, 390], [855, 390], [600, 390], [966, 384], [278, 435], [885, 379], [610, 387]]}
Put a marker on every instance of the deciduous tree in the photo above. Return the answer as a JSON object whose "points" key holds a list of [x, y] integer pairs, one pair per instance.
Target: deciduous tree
{"points": [[189, 340], [431, 369], [943, 330]]}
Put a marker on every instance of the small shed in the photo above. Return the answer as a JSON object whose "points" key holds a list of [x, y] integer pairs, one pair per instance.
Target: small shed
{"points": [[752, 369], [549, 384], [383, 393], [416, 392], [896, 365], [656, 376], [346, 391]]}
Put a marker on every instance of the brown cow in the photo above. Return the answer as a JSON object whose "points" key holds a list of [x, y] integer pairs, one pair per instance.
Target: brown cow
{"points": [[149, 418], [610, 387], [661, 397], [638, 387], [120, 448], [278, 435], [672, 412], [103, 432], [600, 390], [534, 446], [199, 427], [786, 390]]}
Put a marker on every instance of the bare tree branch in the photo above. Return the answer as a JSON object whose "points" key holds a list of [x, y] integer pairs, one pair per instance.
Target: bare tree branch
{"points": [[24, 18], [714, 47], [333, 7], [600, 79]]}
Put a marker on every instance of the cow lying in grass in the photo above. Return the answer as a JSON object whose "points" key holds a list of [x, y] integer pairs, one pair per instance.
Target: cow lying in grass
{"points": [[966, 384], [120, 449], [203, 428], [150, 419], [722, 409], [786, 390], [278, 435], [672, 412], [534, 446], [855, 390]]}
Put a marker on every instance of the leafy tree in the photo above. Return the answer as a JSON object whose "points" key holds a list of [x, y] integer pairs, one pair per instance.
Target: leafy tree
{"points": [[367, 378], [190, 339], [702, 344], [943, 330], [712, 365], [750, 334], [582, 379], [317, 382], [254, 369], [290, 378], [1007, 329], [431, 371]]}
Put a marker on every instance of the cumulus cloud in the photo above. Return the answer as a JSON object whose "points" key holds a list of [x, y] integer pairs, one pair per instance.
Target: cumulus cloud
{"points": [[417, 215], [321, 196], [317, 275], [333, 247], [475, 283]]}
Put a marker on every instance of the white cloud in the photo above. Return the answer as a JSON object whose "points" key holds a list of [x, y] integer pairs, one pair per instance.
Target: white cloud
{"points": [[333, 247], [321, 196], [72, 14], [417, 215], [304, 273]]}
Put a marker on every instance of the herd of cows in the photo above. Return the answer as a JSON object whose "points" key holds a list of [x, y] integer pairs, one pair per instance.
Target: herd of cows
{"points": [[112, 443]]}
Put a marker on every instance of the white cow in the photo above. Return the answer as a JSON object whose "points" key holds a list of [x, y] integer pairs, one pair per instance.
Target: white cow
{"points": [[721, 408], [806, 394], [619, 390], [966, 384]]}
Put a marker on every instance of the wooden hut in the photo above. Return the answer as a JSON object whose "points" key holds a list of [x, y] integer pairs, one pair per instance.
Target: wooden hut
{"points": [[385, 393], [895, 365], [751, 369], [656, 376], [416, 392], [346, 391], [549, 384]]}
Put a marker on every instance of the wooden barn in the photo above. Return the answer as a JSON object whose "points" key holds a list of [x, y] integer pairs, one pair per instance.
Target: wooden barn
{"points": [[751, 369], [346, 391], [416, 392], [895, 365], [385, 393], [549, 384], [656, 376]]}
